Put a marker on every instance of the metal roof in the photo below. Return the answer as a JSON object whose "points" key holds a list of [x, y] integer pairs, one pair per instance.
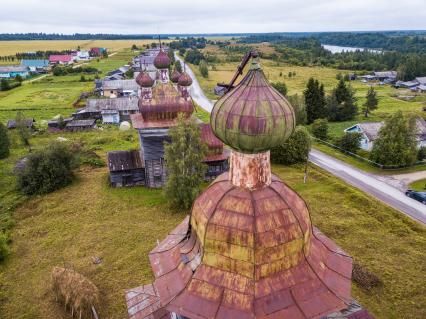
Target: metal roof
{"points": [[249, 254], [120, 85], [124, 160], [13, 68], [77, 123], [119, 104]]}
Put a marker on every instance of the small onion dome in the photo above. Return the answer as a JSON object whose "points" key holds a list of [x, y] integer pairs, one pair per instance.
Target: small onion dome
{"points": [[162, 61], [185, 79], [144, 80], [175, 76], [253, 117]]}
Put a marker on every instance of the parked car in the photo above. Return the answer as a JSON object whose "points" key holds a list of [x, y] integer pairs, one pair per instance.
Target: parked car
{"points": [[419, 196]]}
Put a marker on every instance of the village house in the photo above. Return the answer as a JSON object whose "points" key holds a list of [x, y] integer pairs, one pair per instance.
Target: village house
{"points": [[12, 71], [119, 88], [112, 111], [36, 66], [29, 123], [97, 52], [61, 59], [81, 55], [385, 77], [80, 125], [126, 168], [370, 132]]}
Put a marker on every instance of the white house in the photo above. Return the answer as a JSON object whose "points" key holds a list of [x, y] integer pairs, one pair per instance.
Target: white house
{"points": [[83, 56], [370, 131]]}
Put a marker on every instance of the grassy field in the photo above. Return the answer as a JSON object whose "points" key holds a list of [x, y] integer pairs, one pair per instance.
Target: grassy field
{"points": [[89, 219], [54, 95], [12, 47], [419, 185]]}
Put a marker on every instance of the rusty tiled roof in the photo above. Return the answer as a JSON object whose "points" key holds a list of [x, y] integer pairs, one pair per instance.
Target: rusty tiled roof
{"points": [[250, 254], [124, 160], [165, 99], [208, 137], [139, 123]]}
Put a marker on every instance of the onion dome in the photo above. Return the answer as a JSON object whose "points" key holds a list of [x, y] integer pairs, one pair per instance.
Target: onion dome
{"points": [[162, 61], [253, 117], [144, 80], [175, 76], [185, 79]]}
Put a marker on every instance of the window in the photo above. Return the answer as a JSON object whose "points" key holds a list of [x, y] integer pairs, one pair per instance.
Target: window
{"points": [[157, 179]]}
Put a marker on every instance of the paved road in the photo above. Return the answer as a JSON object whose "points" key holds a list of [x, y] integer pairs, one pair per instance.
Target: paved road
{"points": [[361, 180], [371, 185], [196, 91]]}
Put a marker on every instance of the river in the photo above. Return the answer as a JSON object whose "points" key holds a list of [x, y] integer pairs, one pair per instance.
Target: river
{"points": [[339, 49]]}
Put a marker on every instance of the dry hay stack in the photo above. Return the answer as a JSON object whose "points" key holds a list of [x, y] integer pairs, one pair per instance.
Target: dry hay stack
{"points": [[75, 291]]}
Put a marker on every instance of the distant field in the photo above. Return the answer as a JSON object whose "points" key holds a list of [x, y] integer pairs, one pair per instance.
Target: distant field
{"points": [[54, 95], [12, 47]]}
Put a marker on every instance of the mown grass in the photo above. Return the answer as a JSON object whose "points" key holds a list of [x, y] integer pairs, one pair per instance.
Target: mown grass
{"points": [[89, 219], [419, 185]]}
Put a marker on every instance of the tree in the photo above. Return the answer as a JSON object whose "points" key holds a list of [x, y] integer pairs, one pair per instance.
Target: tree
{"points": [[396, 143], [178, 66], [204, 70], [319, 129], [171, 55], [315, 101], [280, 87], [4, 85], [47, 170], [4, 247], [129, 73], [19, 78], [421, 154], [350, 142], [134, 47], [299, 107], [4, 142], [342, 103], [371, 102], [82, 78], [294, 150], [183, 157], [24, 132]]}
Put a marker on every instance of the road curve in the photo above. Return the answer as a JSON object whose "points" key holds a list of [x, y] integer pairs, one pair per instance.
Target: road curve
{"points": [[196, 91], [357, 178], [370, 184]]}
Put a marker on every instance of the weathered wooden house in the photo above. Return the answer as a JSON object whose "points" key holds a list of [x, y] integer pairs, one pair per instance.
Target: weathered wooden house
{"points": [[80, 125], [117, 88], [126, 168], [249, 249], [112, 111], [12, 124], [217, 158]]}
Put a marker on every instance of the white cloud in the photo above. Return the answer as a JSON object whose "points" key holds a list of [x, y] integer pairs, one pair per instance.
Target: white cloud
{"points": [[219, 16]]}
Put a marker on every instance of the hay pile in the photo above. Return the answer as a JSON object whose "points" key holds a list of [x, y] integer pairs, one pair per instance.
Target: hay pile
{"points": [[364, 278], [75, 291]]}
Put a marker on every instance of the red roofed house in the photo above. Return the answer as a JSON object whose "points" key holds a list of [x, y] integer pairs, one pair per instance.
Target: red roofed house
{"points": [[61, 59]]}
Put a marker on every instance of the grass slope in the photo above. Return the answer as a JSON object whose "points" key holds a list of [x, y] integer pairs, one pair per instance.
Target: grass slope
{"points": [[121, 226]]}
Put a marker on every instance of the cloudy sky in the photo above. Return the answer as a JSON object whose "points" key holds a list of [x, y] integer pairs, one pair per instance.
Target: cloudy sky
{"points": [[209, 16]]}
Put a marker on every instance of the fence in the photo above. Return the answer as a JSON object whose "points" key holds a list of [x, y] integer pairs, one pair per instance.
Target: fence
{"points": [[363, 159]]}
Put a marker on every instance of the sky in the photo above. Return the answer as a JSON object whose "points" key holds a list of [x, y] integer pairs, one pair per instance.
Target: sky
{"points": [[209, 16]]}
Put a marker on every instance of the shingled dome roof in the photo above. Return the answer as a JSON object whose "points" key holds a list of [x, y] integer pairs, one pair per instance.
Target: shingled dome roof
{"points": [[253, 117], [175, 76], [162, 61], [144, 80], [247, 254], [185, 79]]}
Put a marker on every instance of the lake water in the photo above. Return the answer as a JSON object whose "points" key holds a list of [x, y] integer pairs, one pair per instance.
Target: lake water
{"points": [[338, 49]]}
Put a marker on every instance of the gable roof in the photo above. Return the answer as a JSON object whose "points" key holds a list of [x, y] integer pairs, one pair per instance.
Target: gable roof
{"points": [[60, 58], [384, 74], [13, 68], [124, 161], [35, 63], [118, 104], [29, 122], [421, 80], [120, 85], [81, 123]]}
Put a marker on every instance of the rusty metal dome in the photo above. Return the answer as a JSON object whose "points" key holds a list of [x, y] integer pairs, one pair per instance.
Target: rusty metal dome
{"points": [[162, 61], [175, 76], [185, 79], [253, 117], [144, 80]]}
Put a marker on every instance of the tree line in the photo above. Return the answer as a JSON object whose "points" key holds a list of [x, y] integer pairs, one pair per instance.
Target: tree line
{"points": [[75, 36]]}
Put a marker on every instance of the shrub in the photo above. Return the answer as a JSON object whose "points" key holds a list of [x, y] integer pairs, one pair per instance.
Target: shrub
{"points": [[204, 69], [421, 154], [4, 247], [280, 87], [350, 142], [364, 278], [294, 150], [4, 142], [47, 170], [319, 129]]}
